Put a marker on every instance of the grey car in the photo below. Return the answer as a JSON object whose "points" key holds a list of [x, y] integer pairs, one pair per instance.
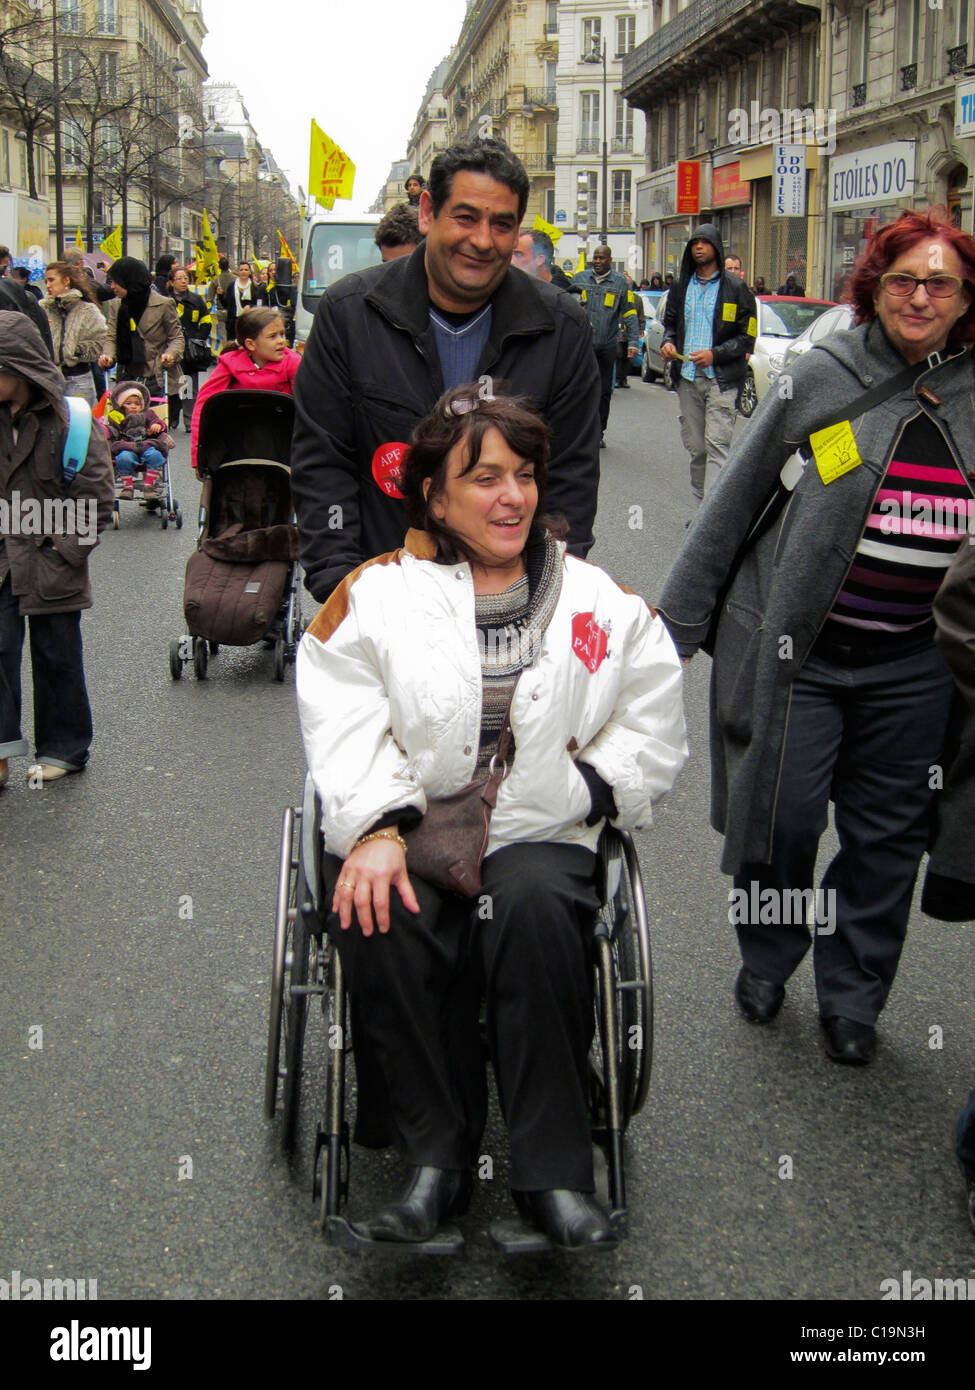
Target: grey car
{"points": [[835, 320], [652, 364]]}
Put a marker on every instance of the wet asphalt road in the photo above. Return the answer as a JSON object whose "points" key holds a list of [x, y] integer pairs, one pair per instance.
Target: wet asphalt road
{"points": [[133, 1146]]}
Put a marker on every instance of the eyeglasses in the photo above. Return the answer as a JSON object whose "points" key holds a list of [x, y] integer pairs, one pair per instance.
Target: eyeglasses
{"points": [[899, 283]]}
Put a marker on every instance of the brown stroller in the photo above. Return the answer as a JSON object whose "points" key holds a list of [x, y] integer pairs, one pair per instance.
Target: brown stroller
{"points": [[242, 583]]}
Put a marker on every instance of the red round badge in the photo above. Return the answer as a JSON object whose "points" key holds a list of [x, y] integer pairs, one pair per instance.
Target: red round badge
{"points": [[589, 640], [387, 465]]}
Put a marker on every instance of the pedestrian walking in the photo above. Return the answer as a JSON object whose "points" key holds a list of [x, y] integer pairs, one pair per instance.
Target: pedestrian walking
{"points": [[709, 327], [610, 304], [144, 334], [78, 328], [196, 323], [820, 624], [44, 574], [388, 340], [243, 293], [215, 292]]}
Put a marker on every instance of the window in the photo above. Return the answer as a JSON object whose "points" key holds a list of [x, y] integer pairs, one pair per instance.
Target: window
{"points": [[108, 72], [22, 147], [111, 142], [552, 16], [859, 45], [625, 33], [961, 33], [70, 66], [672, 122], [592, 35], [590, 116], [624, 122], [807, 75], [69, 14], [5, 157], [550, 205], [106, 16], [72, 142], [621, 213], [591, 187]]}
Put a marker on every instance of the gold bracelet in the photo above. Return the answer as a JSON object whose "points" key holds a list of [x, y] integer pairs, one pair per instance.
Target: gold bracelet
{"points": [[388, 834]]}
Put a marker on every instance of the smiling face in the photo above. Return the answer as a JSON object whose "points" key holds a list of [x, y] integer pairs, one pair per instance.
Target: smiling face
{"points": [[470, 241], [918, 324], [491, 507]]}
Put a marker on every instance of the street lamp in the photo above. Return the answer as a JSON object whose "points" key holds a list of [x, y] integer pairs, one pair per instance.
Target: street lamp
{"points": [[598, 55]]}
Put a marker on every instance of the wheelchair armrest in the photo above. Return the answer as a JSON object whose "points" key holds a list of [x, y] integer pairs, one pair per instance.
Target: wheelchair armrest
{"points": [[311, 845]]}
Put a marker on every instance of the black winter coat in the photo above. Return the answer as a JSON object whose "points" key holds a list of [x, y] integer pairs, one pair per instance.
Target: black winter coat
{"points": [[735, 315], [371, 372]]}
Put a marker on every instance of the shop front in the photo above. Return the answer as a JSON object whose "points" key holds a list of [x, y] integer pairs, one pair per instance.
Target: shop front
{"points": [[731, 203], [664, 232], [867, 188]]}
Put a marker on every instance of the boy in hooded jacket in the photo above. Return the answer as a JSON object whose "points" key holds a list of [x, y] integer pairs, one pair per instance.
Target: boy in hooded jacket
{"points": [[48, 527]]}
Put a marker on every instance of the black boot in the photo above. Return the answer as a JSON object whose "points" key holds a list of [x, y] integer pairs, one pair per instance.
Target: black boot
{"points": [[572, 1220], [431, 1197]]}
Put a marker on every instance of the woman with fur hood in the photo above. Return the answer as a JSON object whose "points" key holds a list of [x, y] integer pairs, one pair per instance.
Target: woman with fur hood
{"points": [[78, 327]]}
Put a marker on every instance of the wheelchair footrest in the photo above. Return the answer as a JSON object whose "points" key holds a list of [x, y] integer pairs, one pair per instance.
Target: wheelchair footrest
{"points": [[342, 1233], [515, 1237]]}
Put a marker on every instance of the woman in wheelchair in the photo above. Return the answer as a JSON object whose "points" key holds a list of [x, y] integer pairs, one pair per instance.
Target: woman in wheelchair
{"points": [[405, 680]]}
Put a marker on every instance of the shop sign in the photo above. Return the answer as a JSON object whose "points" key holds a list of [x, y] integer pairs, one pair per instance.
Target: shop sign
{"points": [[688, 186], [788, 180], [867, 178], [965, 108], [727, 188], [657, 197]]}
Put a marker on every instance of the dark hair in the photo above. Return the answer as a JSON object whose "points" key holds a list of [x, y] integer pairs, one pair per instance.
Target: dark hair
{"points": [[466, 414], [542, 242], [252, 323], [165, 263], [20, 272], [892, 241], [399, 227], [491, 157], [419, 178], [131, 274], [223, 263], [74, 274]]}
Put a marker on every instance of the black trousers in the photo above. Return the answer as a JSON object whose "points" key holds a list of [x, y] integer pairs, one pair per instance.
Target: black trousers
{"points": [[606, 358], [868, 738], [62, 714], [525, 947]]}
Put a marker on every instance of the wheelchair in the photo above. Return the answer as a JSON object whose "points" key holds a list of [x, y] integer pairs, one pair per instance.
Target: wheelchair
{"points": [[306, 966]]}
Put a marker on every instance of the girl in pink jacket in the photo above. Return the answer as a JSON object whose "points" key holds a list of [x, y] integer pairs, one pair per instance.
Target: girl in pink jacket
{"points": [[262, 362]]}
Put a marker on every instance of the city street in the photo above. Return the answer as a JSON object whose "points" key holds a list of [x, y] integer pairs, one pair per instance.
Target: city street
{"points": [[137, 914]]}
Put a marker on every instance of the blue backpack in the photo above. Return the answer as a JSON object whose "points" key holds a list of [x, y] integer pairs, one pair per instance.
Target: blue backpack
{"points": [[77, 439]]}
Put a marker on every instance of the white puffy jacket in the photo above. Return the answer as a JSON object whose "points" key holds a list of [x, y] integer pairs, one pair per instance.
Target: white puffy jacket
{"points": [[389, 695]]}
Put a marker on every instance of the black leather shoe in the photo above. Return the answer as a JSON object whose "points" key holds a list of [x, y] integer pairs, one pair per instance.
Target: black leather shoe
{"points": [[431, 1197], [572, 1220], [759, 1000], [849, 1041]]}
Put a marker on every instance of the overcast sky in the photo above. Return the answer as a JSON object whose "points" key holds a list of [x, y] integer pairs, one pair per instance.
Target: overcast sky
{"points": [[359, 68]]}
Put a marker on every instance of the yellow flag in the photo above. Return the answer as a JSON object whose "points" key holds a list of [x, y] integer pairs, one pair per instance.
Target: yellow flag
{"points": [[553, 233], [112, 245], [331, 171], [79, 240], [211, 257], [581, 264], [286, 251]]}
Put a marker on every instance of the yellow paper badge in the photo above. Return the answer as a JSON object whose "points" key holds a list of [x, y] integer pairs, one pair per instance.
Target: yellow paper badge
{"points": [[609, 299], [752, 328], [729, 312], [835, 451]]}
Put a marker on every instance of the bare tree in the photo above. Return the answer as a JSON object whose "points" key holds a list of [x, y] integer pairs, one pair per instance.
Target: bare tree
{"points": [[27, 84]]}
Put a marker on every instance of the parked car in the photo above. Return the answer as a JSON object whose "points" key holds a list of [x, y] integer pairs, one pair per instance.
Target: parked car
{"points": [[651, 363], [781, 318], [835, 320]]}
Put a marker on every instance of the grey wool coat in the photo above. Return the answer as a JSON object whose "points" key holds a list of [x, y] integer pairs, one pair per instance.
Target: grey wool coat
{"points": [[787, 582]]}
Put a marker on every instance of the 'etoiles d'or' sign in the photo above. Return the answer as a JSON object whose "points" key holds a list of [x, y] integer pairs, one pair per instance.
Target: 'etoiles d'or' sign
{"points": [[866, 178]]}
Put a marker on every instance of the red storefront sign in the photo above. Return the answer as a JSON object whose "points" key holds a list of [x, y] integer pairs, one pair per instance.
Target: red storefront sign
{"points": [[688, 185], [727, 188]]}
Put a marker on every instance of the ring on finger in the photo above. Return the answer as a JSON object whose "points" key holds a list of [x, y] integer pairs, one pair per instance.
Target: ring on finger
{"points": [[346, 883]]}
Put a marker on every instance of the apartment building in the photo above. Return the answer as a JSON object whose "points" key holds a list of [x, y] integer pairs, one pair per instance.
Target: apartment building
{"points": [[429, 134]]}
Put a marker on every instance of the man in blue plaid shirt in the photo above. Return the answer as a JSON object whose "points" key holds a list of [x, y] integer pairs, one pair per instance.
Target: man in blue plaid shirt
{"points": [[709, 326]]}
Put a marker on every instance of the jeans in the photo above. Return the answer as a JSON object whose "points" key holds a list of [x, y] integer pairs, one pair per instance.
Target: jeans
{"points": [[82, 385], [868, 738], [127, 461], [707, 422], [62, 714]]}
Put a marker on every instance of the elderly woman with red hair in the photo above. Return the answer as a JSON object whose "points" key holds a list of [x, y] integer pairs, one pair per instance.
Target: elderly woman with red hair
{"points": [[826, 683]]}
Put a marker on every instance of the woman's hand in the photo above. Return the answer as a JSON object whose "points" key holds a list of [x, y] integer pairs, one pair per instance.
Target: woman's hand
{"points": [[366, 878], [106, 361], [167, 359]]}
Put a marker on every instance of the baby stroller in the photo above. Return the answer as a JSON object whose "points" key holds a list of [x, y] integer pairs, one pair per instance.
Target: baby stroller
{"points": [[155, 495], [242, 583]]}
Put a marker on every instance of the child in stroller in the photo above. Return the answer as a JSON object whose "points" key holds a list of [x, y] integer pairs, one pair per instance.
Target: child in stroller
{"points": [[138, 440]]}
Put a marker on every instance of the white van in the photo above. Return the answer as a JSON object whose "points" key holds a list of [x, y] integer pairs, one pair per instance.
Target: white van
{"points": [[332, 245]]}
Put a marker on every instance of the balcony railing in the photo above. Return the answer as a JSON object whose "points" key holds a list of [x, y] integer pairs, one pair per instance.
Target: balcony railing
{"points": [[542, 160], [909, 77], [588, 144], [622, 144], [621, 216], [539, 96], [958, 58], [858, 96], [679, 33]]}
